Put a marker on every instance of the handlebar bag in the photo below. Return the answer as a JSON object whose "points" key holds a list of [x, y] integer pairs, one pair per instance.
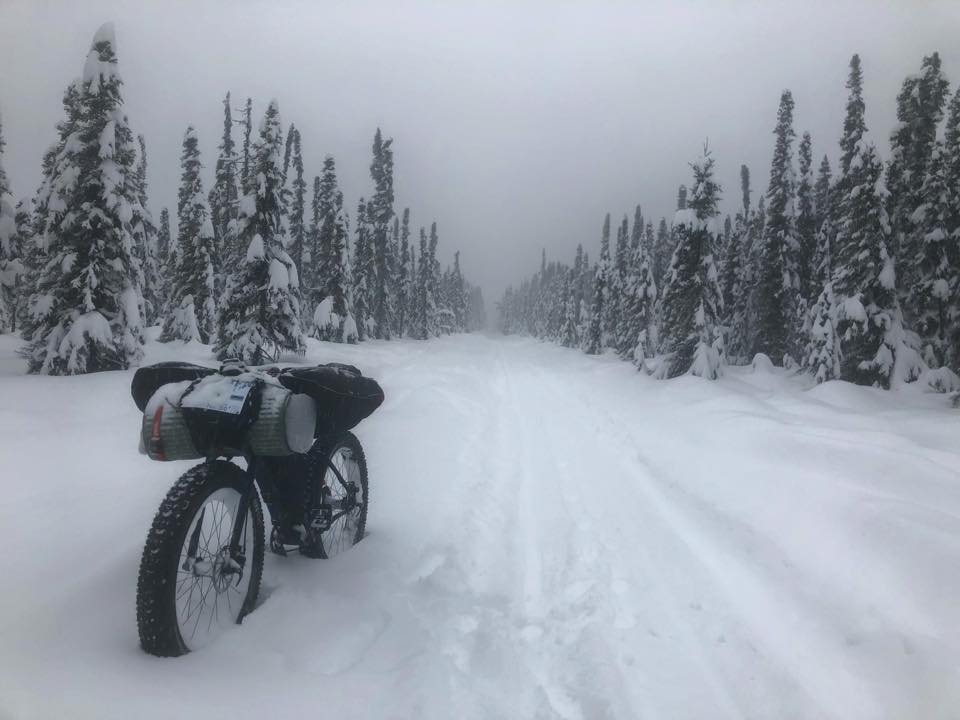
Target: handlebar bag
{"points": [[343, 395]]}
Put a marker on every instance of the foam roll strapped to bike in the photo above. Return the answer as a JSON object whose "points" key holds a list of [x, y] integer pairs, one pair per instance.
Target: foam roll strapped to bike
{"points": [[220, 415]]}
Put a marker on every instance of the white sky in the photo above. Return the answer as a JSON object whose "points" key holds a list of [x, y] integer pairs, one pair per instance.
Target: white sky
{"points": [[516, 125]]}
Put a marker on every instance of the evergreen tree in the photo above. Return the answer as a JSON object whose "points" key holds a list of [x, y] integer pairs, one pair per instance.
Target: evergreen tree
{"points": [[393, 289], [224, 194], [951, 171], [457, 296], [868, 321], [404, 277], [192, 311], [821, 267], [297, 247], [919, 111], [145, 233], [164, 242], [691, 340], [260, 313], [421, 317], [433, 284], [806, 220], [936, 264], [663, 250], [364, 273], [35, 310], [821, 356], [246, 175], [380, 209], [10, 250], [87, 299], [596, 338], [778, 283], [614, 309], [732, 285], [854, 125], [333, 318], [640, 296]]}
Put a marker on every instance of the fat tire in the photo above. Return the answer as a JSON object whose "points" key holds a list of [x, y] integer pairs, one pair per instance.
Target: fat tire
{"points": [[156, 583], [323, 449]]}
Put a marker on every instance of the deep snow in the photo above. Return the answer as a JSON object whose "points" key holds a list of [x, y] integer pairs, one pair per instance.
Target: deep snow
{"points": [[550, 535]]}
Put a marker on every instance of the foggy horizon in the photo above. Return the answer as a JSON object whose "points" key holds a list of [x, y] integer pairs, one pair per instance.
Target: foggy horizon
{"points": [[515, 129]]}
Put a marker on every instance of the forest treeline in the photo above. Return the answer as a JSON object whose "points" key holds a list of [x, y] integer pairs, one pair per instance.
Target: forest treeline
{"points": [[849, 272], [252, 267]]}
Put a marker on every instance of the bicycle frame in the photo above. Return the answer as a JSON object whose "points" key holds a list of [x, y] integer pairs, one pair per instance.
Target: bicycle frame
{"points": [[253, 465]]}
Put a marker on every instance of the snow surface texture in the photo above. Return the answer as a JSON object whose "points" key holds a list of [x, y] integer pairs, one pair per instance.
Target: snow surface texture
{"points": [[551, 535]]}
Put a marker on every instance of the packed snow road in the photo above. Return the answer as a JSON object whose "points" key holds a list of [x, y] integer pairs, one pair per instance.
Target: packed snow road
{"points": [[550, 536]]}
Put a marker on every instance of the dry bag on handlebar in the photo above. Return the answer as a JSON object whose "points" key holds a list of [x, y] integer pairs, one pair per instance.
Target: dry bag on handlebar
{"points": [[344, 396], [147, 380]]}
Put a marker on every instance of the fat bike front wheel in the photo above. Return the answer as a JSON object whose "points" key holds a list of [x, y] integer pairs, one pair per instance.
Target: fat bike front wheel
{"points": [[194, 581]]}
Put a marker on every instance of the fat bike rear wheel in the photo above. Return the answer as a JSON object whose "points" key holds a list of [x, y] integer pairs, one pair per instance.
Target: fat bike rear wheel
{"points": [[338, 495], [192, 584]]}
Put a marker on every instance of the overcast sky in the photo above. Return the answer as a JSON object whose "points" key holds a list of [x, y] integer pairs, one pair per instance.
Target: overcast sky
{"points": [[516, 125]]}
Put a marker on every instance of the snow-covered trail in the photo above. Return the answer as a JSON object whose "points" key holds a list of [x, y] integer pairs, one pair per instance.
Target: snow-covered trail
{"points": [[550, 535]]}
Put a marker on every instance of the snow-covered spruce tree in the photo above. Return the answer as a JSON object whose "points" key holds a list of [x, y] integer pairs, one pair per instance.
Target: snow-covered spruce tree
{"points": [[821, 356], [731, 275], [10, 264], [873, 344], [691, 339], [333, 318], [570, 328], [393, 287], [191, 313], [87, 301], [596, 338], [247, 170], [260, 313], [919, 111], [364, 272], [614, 309], [297, 245], [568, 335], [12, 249], [854, 125], [34, 310], [936, 264], [145, 232], [404, 277], [380, 210], [663, 251], [640, 297], [778, 285], [820, 265], [951, 170], [164, 243], [806, 222], [433, 282], [457, 296], [225, 195], [421, 320]]}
